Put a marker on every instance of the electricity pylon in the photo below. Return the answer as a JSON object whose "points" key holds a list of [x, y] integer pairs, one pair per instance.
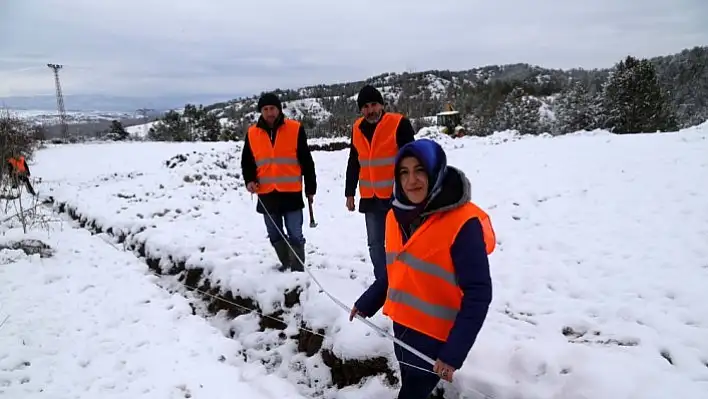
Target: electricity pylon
{"points": [[60, 100]]}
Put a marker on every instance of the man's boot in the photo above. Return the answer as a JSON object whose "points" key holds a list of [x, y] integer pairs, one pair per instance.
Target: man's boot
{"points": [[283, 252], [295, 264]]}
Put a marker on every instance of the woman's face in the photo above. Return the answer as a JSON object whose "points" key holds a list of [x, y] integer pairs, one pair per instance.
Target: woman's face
{"points": [[414, 180]]}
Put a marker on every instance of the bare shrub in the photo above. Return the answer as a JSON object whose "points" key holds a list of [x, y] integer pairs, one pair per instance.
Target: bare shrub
{"points": [[17, 138]]}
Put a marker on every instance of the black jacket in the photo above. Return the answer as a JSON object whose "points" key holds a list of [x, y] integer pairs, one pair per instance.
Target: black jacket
{"points": [[11, 168], [275, 201], [404, 135]]}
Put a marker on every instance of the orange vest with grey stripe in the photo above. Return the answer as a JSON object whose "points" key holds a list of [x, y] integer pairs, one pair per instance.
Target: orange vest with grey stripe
{"points": [[423, 293], [376, 159], [277, 166], [18, 164]]}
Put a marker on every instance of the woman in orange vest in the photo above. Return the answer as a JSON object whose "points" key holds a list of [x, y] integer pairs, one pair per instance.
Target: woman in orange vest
{"points": [[438, 287]]}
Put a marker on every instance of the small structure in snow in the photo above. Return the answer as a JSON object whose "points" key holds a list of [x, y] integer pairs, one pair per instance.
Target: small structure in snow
{"points": [[451, 120]]}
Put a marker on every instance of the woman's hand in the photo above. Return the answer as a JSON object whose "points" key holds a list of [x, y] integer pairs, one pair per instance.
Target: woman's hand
{"points": [[354, 312], [443, 370]]}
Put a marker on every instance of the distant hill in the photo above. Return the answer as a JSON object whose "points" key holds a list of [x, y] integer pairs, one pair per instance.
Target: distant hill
{"points": [[480, 94], [51, 117], [104, 103], [524, 97]]}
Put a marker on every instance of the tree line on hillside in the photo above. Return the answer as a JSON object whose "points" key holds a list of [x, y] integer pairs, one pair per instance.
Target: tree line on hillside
{"points": [[194, 124], [636, 95]]}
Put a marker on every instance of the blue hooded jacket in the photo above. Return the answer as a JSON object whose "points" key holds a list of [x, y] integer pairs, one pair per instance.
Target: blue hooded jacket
{"points": [[449, 188]]}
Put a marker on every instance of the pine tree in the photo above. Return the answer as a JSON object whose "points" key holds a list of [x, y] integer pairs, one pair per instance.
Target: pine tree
{"points": [[685, 76], [172, 127], [208, 127], [117, 131], [634, 102], [231, 131], [519, 112], [575, 110]]}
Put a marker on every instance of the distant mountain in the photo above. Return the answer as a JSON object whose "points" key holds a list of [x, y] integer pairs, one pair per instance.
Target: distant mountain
{"points": [[497, 97], [51, 117], [523, 97], [83, 102]]}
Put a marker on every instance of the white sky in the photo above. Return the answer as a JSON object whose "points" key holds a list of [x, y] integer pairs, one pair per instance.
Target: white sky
{"points": [[161, 47]]}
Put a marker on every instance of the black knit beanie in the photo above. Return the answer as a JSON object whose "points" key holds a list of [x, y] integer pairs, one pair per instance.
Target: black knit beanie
{"points": [[269, 99], [369, 94]]}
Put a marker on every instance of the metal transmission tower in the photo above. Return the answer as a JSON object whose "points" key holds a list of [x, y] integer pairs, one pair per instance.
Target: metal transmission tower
{"points": [[60, 100]]}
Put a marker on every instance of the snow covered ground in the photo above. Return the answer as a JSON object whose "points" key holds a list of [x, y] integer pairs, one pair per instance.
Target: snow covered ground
{"points": [[140, 130], [599, 276], [89, 322]]}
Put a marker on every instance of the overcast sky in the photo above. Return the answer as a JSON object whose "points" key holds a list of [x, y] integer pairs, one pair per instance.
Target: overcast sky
{"points": [[166, 47]]}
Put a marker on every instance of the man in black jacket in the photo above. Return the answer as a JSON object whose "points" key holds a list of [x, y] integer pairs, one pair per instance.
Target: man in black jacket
{"points": [[19, 172], [274, 161], [374, 207]]}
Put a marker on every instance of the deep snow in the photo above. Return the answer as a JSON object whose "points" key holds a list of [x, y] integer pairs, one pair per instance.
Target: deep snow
{"points": [[600, 268], [89, 322]]}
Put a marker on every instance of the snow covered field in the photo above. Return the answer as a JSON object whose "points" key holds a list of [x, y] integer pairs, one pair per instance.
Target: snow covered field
{"points": [[599, 275], [89, 323]]}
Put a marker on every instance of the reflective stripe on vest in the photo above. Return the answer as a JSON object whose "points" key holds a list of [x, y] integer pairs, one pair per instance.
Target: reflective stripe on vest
{"points": [[422, 266], [376, 158], [277, 166], [423, 293], [18, 164], [430, 309]]}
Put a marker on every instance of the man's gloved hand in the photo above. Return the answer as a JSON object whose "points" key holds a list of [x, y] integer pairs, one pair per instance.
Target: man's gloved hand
{"points": [[252, 187]]}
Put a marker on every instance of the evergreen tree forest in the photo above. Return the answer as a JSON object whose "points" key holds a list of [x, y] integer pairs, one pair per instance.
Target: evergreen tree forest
{"points": [[634, 95]]}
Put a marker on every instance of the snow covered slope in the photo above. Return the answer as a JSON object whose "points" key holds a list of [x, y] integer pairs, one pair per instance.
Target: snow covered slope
{"points": [[296, 109], [140, 130], [319, 103], [599, 276], [88, 322]]}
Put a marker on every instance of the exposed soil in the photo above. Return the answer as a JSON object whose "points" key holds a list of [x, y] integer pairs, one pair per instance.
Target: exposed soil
{"points": [[30, 247]]}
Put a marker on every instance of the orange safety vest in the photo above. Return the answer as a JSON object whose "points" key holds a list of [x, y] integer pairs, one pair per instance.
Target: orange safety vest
{"points": [[18, 164], [376, 159], [423, 293], [277, 166]]}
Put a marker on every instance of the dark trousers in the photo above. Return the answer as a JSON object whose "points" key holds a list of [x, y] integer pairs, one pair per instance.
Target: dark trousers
{"points": [[415, 383], [16, 180], [375, 234], [293, 224]]}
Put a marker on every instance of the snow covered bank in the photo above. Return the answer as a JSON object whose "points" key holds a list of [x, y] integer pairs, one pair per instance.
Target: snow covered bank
{"points": [[595, 295], [87, 321], [316, 144], [219, 264]]}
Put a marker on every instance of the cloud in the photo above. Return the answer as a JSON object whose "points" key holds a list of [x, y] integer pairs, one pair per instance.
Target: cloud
{"points": [[225, 47]]}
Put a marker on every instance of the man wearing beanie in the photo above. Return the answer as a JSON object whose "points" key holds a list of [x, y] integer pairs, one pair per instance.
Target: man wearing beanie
{"points": [[274, 162], [376, 137]]}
